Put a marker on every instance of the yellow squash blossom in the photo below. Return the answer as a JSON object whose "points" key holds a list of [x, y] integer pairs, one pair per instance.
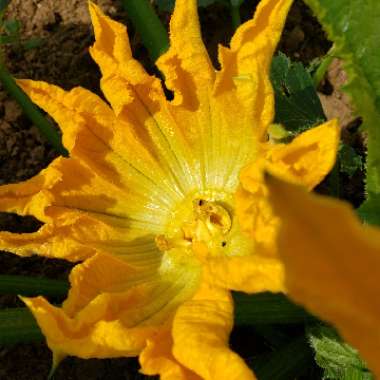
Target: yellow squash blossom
{"points": [[332, 263], [147, 198]]}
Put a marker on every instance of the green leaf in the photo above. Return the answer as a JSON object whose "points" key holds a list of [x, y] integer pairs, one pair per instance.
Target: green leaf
{"points": [[165, 5], [286, 363], [338, 360], [32, 286], [12, 27], [369, 210], [297, 103], [168, 5], [18, 325], [236, 3], [4, 4], [355, 30], [267, 308], [33, 43], [7, 39], [349, 160], [206, 3]]}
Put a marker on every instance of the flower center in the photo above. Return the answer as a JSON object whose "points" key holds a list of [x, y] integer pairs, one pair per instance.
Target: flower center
{"points": [[208, 224]]}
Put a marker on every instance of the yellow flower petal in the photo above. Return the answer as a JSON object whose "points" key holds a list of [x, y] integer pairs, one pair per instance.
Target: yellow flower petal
{"points": [[250, 274], [31, 197], [245, 66], [97, 337], [306, 160], [102, 273], [47, 241], [81, 216], [36, 197], [332, 264], [149, 183], [258, 37], [93, 135], [139, 100], [186, 65], [111, 309], [112, 50], [157, 359], [201, 329]]}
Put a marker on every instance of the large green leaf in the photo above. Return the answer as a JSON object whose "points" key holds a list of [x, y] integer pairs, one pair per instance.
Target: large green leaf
{"points": [[338, 360], [267, 308], [354, 27], [297, 104]]}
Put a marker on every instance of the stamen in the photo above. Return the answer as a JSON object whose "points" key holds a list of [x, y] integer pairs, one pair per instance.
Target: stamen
{"points": [[209, 224]]}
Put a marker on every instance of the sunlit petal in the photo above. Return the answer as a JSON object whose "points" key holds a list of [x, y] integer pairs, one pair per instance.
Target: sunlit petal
{"points": [[332, 264]]}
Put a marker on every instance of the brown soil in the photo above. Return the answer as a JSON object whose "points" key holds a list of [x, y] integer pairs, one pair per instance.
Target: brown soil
{"points": [[63, 59]]}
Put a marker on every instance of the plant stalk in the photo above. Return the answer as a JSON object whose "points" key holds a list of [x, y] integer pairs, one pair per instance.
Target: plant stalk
{"points": [[323, 67], [235, 15], [31, 110], [148, 25], [18, 325], [32, 286]]}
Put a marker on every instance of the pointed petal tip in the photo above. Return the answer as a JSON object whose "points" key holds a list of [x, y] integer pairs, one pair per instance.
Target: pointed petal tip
{"points": [[58, 357], [24, 84], [96, 15], [38, 86], [93, 8], [95, 12]]}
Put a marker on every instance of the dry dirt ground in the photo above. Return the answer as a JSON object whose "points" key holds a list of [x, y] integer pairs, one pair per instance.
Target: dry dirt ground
{"points": [[63, 59]]}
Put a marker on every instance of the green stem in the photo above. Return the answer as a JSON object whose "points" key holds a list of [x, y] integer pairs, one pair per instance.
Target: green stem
{"points": [[323, 67], [18, 325], [32, 286], [267, 308], [235, 15], [148, 25], [31, 110]]}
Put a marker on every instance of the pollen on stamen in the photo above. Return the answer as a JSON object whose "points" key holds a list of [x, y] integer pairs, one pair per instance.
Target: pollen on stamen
{"points": [[208, 223]]}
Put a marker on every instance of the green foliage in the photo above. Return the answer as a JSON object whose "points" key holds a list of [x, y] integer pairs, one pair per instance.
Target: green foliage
{"points": [[7, 39], [10, 31], [349, 160], [236, 3], [286, 363], [267, 308], [150, 28], [32, 286], [338, 360], [297, 103], [3, 5], [168, 5], [354, 28], [369, 210], [11, 35], [18, 325], [32, 43], [12, 26]]}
